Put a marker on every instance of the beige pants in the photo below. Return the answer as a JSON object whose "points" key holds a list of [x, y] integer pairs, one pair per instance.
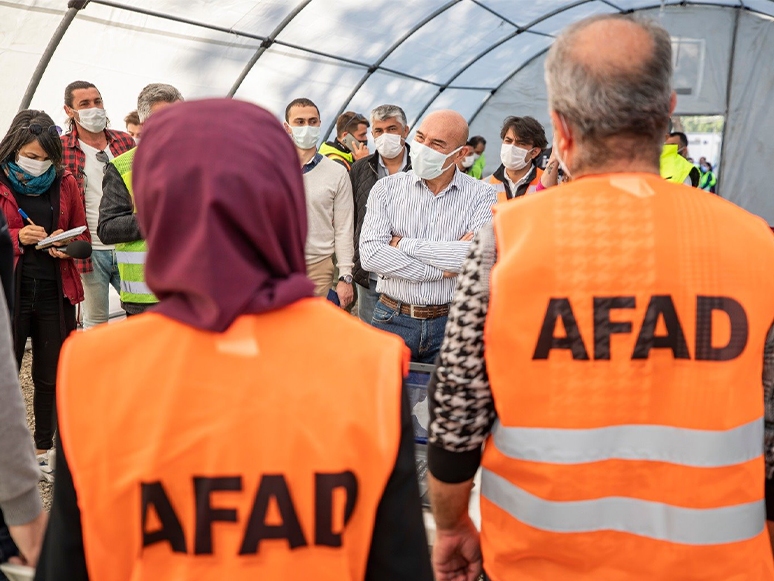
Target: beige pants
{"points": [[321, 274]]}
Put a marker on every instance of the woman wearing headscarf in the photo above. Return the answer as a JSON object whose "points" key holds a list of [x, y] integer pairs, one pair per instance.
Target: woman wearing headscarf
{"points": [[39, 198], [243, 444]]}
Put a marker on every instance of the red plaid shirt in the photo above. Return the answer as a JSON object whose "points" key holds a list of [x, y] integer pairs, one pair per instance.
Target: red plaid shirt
{"points": [[74, 159]]}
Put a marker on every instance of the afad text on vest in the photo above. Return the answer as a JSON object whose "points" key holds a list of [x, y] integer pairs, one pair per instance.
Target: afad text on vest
{"points": [[273, 488], [661, 309]]}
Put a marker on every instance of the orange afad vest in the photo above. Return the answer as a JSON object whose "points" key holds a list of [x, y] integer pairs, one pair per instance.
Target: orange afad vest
{"points": [[258, 453], [624, 344], [502, 195]]}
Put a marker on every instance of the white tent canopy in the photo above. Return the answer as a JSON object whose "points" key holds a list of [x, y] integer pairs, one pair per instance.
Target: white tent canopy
{"points": [[483, 58]]}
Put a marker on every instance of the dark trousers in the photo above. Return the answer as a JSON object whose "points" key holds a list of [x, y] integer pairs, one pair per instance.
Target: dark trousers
{"points": [[39, 316]]}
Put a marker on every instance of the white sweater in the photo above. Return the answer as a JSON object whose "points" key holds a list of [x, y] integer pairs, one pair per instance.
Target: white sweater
{"points": [[330, 211]]}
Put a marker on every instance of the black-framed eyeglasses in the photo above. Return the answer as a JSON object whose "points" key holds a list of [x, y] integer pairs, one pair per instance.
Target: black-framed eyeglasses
{"points": [[37, 129]]}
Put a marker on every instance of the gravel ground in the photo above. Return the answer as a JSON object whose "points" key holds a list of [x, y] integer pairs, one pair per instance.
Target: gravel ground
{"points": [[46, 489]]}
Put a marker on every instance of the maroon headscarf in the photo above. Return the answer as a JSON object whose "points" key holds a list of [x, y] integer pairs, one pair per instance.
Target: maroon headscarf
{"points": [[220, 199]]}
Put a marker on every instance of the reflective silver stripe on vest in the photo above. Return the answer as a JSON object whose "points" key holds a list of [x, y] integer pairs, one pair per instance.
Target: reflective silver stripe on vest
{"points": [[135, 288], [688, 526], [696, 448], [130, 257]]}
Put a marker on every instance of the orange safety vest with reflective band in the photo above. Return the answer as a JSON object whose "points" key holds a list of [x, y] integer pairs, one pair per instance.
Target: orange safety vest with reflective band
{"points": [[199, 455], [502, 194], [627, 384]]}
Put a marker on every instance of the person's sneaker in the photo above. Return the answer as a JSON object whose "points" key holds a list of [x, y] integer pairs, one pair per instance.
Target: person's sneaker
{"points": [[46, 462]]}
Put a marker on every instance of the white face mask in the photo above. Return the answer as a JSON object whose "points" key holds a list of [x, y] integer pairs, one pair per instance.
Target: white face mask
{"points": [[514, 157], [389, 145], [468, 161], [306, 136], [34, 167], [94, 119], [428, 163]]}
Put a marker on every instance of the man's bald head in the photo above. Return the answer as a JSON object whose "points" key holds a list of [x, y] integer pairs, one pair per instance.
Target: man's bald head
{"points": [[610, 78], [447, 126]]}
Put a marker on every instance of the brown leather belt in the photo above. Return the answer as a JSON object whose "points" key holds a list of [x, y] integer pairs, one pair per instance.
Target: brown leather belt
{"points": [[416, 311]]}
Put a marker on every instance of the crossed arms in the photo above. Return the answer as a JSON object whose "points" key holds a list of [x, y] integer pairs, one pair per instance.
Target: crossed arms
{"points": [[412, 259]]}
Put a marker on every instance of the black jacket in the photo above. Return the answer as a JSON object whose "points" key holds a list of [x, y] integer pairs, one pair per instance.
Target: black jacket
{"points": [[363, 176], [118, 222], [522, 189]]}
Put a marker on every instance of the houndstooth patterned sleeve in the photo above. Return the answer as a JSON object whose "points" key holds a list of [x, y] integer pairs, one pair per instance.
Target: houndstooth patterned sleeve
{"points": [[461, 405], [768, 398]]}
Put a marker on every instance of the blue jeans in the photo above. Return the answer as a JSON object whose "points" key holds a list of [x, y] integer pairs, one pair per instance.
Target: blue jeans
{"points": [[96, 305], [366, 301], [422, 336]]}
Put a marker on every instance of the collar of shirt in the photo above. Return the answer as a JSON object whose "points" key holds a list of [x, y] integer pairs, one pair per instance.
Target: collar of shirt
{"points": [[526, 177], [381, 169], [306, 168], [71, 139], [455, 183]]}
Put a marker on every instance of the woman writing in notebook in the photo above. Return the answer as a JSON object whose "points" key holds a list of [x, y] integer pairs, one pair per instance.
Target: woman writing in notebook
{"points": [[39, 198]]}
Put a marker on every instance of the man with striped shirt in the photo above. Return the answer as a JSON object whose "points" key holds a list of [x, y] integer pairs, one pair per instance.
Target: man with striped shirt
{"points": [[417, 232]]}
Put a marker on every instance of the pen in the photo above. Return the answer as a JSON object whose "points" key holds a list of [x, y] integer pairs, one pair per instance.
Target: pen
{"points": [[26, 217]]}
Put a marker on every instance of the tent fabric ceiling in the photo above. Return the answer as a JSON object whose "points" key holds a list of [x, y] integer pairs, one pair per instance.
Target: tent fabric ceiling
{"points": [[343, 54], [430, 52]]}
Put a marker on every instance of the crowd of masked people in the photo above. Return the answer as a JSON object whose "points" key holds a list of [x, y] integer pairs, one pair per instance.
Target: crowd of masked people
{"points": [[601, 337]]}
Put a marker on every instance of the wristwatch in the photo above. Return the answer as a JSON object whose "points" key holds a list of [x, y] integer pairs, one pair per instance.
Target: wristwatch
{"points": [[347, 278]]}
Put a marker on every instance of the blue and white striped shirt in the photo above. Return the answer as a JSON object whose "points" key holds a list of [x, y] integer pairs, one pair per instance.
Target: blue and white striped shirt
{"points": [[430, 227]]}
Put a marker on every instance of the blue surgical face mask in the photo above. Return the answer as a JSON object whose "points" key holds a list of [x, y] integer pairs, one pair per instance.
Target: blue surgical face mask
{"points": [[428, 163]]}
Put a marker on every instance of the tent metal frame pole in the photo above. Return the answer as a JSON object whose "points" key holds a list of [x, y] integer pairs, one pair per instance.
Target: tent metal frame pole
{"points": [[262, 39], [737, 8], [265, 45], [508, 20], [178, 19], [612, 5], [729, 85], [496, 13], [492, 47], [385, 56], [504, 82], [740, 6], [72, 9]]}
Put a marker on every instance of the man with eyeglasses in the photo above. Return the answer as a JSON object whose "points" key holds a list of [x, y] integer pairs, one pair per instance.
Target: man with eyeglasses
{"points": [[87, 149], [350, 143]]}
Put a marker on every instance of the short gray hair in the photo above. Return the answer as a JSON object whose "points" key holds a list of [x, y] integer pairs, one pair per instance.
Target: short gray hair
{"points": [[155, 93], [384, 112], [631, 102]]}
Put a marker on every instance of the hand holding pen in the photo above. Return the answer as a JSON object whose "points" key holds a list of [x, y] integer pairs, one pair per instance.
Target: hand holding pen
{"points": [[31, 234]]}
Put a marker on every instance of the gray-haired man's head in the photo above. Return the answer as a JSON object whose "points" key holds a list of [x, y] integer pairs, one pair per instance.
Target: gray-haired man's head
{"points": [[610, 94], [389, 129], [385, 112], [155, 96]]}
